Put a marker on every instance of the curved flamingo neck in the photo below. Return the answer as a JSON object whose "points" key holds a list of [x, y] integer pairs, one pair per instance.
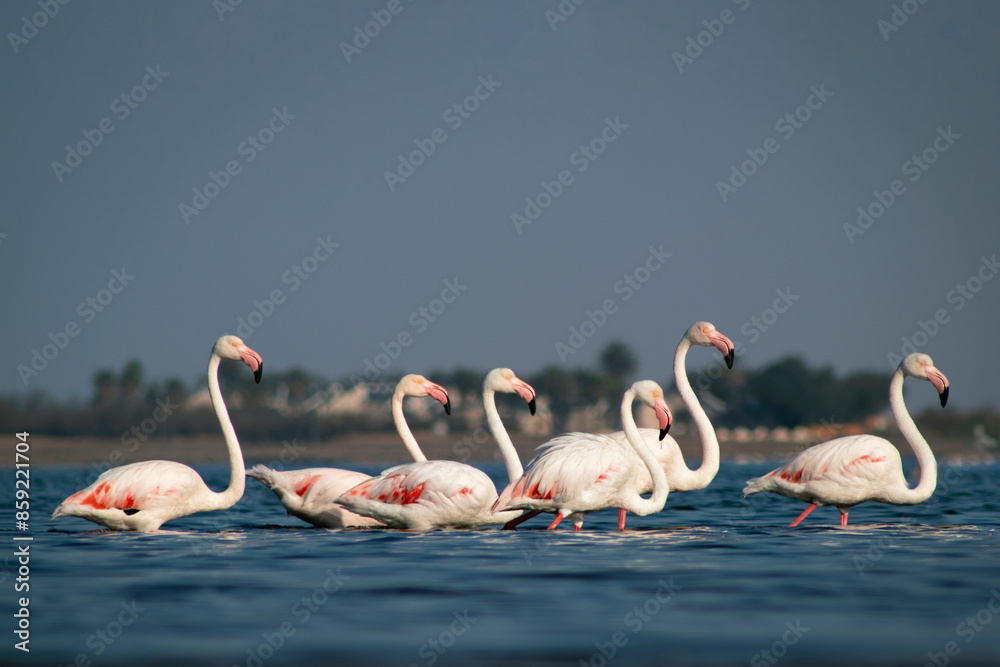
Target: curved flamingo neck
{"points": [[638, 504], [925, 457], [510, 457], [705, 473], [237, 470], [403, 429]]}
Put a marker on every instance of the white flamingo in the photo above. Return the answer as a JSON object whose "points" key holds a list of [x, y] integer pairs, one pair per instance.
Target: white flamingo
{"points": [[679, 477], [309, 493], [444, 494], [603, 476], [142, 496], [851, 470]]}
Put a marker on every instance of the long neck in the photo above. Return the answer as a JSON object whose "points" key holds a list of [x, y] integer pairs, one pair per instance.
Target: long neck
{"points": [[704, 474], [510, 458], [404, 431], [925, 457], [655, 502], [237, 471]]}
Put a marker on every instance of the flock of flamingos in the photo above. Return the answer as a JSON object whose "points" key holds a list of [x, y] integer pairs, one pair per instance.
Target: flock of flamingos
{"points": [[570, 475]]}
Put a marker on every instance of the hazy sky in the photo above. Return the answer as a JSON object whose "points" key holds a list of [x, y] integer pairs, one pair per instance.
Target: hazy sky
{"points": [[508, 169]]}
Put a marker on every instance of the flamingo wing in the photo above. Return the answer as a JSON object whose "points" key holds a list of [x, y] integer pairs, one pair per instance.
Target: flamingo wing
{"points": [[138, 486]]}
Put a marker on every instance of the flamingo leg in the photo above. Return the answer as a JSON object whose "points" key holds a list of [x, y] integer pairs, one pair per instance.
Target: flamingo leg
{"points": [[555, 522], [621, 520], [804, 514], [843, 518], [514, 523]]}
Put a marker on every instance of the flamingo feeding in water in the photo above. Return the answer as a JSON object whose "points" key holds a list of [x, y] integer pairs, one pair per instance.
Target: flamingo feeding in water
{"points": [[309, 494], [142, 496], [604, 473], [851, 470], [444, 494], [666, 450]]}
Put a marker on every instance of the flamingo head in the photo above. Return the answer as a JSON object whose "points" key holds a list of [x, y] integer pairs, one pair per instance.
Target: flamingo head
{"points": [[705, 334], [921, 367], [418, 385], [651, 394], [233, 347], [503, 379]]}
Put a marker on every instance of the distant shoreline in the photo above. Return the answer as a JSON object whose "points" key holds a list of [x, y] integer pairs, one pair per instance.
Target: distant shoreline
{"points": [[385, 448]]}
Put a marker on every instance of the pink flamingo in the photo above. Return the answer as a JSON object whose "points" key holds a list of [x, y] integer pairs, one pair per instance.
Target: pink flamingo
{"points": [[602, 475], [679, 477], [309, 494], [142, 496], [444, 494], [851, 470]]}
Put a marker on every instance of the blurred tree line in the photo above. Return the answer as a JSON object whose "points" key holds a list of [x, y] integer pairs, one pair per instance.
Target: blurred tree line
{"points": [[786, 392]]}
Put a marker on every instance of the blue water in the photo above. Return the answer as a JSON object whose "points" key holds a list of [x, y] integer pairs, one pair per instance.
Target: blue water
{"points": [[711, 580]]}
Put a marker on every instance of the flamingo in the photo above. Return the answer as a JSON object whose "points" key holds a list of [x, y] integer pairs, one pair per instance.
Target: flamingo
{"points": [[851, 470], [666, 450], [603, 475], [444, 494], [142, 496], [308, 494]]}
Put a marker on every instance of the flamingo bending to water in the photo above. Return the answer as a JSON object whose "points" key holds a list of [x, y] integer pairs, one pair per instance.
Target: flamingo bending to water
{"points": [[309, 493], [444, 494], [142, 496], [851, 470], [679, 477], [603, 476]]}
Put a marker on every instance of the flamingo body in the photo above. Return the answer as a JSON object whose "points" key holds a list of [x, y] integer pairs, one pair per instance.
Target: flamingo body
{"points": [[142, 496], [308, 494]]}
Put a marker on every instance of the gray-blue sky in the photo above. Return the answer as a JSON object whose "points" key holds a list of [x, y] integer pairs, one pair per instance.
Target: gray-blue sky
{"points": [[608, 64]]}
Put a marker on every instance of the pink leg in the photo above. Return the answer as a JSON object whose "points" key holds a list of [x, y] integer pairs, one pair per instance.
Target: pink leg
{"points": [[843, 518], [552, 526], [514, 523], [809, 509], [621, 520]]}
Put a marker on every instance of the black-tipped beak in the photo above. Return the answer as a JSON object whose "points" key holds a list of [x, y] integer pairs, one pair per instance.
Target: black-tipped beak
{"points": [[258, 373], [531, 406], [663, 432], [944, 396], [730, 356], [447, 407]]}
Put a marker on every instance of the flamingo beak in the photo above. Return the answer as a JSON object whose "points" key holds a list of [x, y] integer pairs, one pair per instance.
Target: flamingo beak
{"points": [[253, 360], [725, 346], [440, 394], [940, 383], [525, 391], [664, 416]]}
